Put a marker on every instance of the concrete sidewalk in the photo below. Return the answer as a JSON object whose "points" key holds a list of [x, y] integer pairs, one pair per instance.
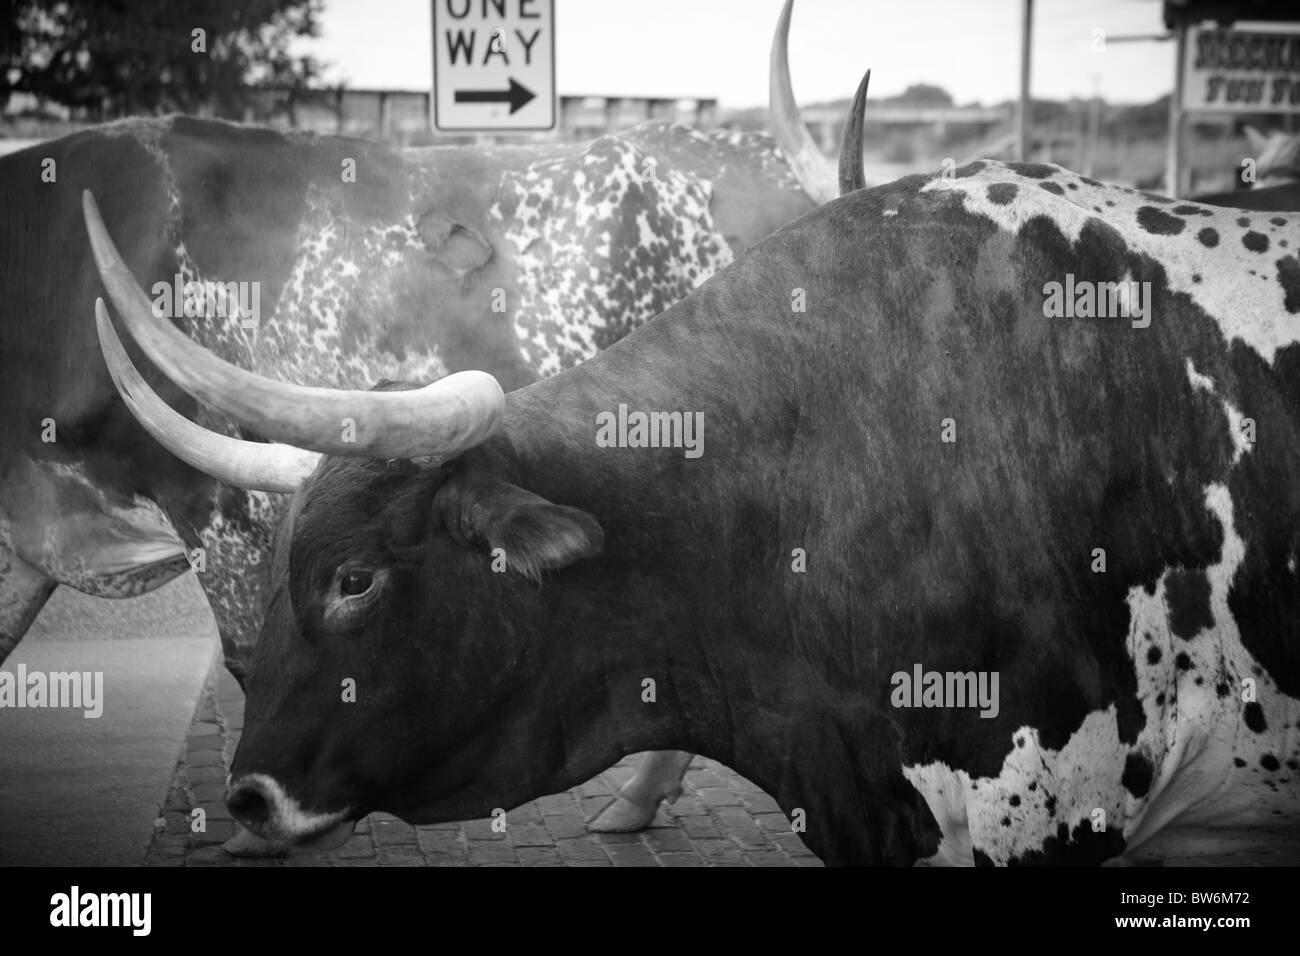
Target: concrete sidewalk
{"points": [[82, 791]]}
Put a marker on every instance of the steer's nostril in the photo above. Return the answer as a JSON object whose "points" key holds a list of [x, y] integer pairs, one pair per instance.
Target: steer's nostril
{"points": [[248, 805]]}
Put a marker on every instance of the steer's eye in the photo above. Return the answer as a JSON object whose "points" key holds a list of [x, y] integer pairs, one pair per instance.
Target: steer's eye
{"points": [[356, 582]]}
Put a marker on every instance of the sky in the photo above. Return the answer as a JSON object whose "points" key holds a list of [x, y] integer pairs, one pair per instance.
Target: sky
{"points": [[719, 48]]}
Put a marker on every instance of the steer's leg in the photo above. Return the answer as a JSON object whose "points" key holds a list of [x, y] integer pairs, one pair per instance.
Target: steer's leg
{"points": [[659, 777], [23, 592]]}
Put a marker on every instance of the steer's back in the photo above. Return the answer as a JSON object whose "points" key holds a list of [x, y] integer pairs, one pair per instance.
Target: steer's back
{"points": [[1096, 508]]}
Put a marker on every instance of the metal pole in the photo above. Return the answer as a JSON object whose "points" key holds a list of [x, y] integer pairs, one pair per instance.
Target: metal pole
{"points": [[1093, 136], [1022, 117], [1174, 156]]}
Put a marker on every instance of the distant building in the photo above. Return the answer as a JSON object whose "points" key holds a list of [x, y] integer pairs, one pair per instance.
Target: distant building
{"points": [[402, 116]]}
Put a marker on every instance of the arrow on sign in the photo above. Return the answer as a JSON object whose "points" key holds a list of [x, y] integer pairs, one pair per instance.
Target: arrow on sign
{"points": [[517, 96]]}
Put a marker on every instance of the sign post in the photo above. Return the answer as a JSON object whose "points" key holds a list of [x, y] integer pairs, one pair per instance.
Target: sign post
{"points": [[493, 66], [1174, 151], [1026, 101]]}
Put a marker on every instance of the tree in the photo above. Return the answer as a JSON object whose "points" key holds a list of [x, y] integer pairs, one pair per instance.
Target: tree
{"points": [[152, 56]]}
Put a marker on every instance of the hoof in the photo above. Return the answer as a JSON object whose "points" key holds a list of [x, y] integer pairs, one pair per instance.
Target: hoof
{"points": [[244, 843], [621, 815]]}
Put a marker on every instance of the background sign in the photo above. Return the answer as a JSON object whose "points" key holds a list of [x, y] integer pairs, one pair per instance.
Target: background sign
{"points": [[493, 65], [1240, 71]]}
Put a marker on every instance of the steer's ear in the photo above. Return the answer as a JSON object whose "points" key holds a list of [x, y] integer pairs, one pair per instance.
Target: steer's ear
{"points": [[457, 246], [537, 535]]}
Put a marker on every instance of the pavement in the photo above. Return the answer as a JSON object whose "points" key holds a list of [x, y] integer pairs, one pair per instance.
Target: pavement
{"points": [[77, 790]]}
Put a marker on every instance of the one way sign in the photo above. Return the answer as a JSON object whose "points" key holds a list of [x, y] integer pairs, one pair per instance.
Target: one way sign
{"points": [[493, 65]]}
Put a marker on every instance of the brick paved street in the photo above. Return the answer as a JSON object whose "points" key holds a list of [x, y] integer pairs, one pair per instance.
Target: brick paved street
{"points": [[721, 819]]}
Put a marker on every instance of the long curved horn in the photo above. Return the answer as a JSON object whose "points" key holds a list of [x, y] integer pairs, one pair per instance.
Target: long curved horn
{"points": [[810, 167], [440, 420], [851, 174], [246, 464]]}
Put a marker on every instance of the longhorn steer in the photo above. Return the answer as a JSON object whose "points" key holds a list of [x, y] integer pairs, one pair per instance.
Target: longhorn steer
{"points": [[1093, 515], [366, 263]]}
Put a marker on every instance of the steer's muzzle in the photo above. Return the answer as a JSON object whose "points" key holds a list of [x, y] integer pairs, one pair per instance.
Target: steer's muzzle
{"points": [[248, 803], [262, 806]]}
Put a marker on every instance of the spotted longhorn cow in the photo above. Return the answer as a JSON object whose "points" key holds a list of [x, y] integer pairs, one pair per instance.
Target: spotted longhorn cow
{"points": [[522, 261], [659, 775], [1028, 430]]}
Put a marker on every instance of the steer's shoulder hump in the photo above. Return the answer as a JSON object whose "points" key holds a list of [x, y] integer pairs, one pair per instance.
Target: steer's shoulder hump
{"points": [[1239, 266]]}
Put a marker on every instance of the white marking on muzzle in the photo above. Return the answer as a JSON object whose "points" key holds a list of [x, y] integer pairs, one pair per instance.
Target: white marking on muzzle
{"points": [[287, 821]]}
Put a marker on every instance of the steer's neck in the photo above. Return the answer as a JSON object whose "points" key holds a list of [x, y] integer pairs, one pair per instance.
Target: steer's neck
{"points": [[698, 588]]}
